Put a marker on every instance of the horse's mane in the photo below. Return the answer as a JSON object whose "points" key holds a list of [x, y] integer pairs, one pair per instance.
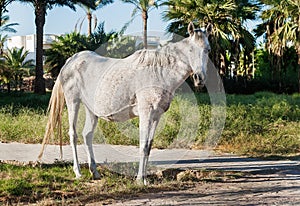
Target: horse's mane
{"points": [[154, 58]]}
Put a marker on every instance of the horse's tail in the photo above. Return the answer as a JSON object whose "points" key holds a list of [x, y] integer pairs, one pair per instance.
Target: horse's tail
{"points": [[55, 109]]}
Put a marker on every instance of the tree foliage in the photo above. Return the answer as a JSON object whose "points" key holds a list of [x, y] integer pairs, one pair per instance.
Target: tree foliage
{"points": [[281, 26], [241, 63], [230, 40], [142, 7], [89, 14], [5, 26], [67, 45], [16, 66], [40, 9]]}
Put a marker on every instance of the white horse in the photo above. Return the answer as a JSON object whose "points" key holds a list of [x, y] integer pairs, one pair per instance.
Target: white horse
{"points": [[141, 85]]}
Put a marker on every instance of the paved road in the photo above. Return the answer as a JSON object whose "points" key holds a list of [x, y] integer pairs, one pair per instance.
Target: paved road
{"points": [[268, 183], [167, 158]]}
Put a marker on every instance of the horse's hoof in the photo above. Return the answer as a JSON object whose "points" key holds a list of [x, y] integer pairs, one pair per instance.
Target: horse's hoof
{"points": [[96, 176], [141, 182]]}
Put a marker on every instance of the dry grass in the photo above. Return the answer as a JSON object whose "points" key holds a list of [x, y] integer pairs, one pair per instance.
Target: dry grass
{"points": [[54, 184]]}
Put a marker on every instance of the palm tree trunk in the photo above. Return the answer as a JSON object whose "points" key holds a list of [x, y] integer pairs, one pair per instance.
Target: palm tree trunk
{"points": [[89, 17], [8, 87], [298, 52], [1, 17], [245, 65], [40, 15], [145, 21], [298, 77], [236, 55]]}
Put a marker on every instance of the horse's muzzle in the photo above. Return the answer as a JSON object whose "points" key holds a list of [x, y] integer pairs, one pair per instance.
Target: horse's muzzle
{"points": [[198, 81]]}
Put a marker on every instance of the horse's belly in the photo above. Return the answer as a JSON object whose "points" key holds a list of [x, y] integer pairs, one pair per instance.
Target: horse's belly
{"points": [[114, 108], [115, 94], [121, 115], [116, 104]]}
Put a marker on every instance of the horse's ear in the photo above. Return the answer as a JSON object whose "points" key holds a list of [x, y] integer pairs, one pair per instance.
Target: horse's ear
{"points": [[209, 29], [191, 29]]}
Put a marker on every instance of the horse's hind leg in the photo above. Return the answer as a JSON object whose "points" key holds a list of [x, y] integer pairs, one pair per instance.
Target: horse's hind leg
{"points": [[73, 108], [88, 134]]}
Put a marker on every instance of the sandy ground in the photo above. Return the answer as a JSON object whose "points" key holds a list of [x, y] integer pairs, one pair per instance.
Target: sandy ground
{"points": [[258, 189]]}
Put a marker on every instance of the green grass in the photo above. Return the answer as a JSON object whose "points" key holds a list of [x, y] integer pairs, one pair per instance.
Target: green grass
{"points": [[52, 182], [263, 124], [55, 185], [19, 100]]}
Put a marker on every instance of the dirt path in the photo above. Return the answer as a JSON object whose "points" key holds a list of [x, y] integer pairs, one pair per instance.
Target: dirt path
{"points": [[266, 182], [255, 190], [273, 187]]}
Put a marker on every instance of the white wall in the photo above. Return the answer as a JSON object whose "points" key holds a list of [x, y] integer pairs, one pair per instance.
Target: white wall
{"points": [[29, 43], [16, 41]]}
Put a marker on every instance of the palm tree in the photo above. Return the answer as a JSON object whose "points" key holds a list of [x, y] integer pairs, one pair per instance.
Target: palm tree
{"points": [[5, 27], [5, 74], [282, 23], [70, 44], [143, 6], [88, 10], [40, 10], [64, 47], [2, 41], [289, 31], [243, 40], [15, 59], [227, 18], [3, 6], [218, 13]]}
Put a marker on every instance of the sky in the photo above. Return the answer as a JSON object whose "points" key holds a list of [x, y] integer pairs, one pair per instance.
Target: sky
{"points": [[61, 20]]}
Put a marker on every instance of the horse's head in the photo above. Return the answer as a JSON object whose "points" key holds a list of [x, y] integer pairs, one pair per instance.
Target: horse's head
{"points": [[198, 53]]}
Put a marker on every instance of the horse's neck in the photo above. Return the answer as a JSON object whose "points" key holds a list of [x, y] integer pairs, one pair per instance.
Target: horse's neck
{"points": [[178, 50], [181, 70]]}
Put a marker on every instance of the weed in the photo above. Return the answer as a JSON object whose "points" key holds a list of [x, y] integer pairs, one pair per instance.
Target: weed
{"points": [[53, 184], [256, 125]]}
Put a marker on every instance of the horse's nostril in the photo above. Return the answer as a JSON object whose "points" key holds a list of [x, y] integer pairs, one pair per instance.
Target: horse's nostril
{"points": [[195, 76]]}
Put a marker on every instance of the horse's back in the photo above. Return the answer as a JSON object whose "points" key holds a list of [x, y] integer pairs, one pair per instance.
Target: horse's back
{"points": [[82, 62], [80, 75], [101, 83]]}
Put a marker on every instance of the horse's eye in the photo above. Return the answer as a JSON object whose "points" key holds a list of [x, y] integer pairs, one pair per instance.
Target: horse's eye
{"points": [[206, 50]]}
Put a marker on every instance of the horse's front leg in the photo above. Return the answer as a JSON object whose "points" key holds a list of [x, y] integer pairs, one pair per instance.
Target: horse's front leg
{"points": [[148, 122]]}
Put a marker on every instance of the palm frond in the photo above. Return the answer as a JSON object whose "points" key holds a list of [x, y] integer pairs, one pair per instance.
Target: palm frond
{"points": [[101, 3]]}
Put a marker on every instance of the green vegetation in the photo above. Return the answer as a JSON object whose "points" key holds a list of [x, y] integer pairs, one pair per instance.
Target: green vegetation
{"points": [[89, 13], [4, 19], [143, 7], [245, 66], [262, 124], [234, 51], [17, 67], [70, 44], [40, 10], [55, 185]]}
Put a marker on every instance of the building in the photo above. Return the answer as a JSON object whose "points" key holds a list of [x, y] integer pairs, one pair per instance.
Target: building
{"points": [[29, 43]]}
